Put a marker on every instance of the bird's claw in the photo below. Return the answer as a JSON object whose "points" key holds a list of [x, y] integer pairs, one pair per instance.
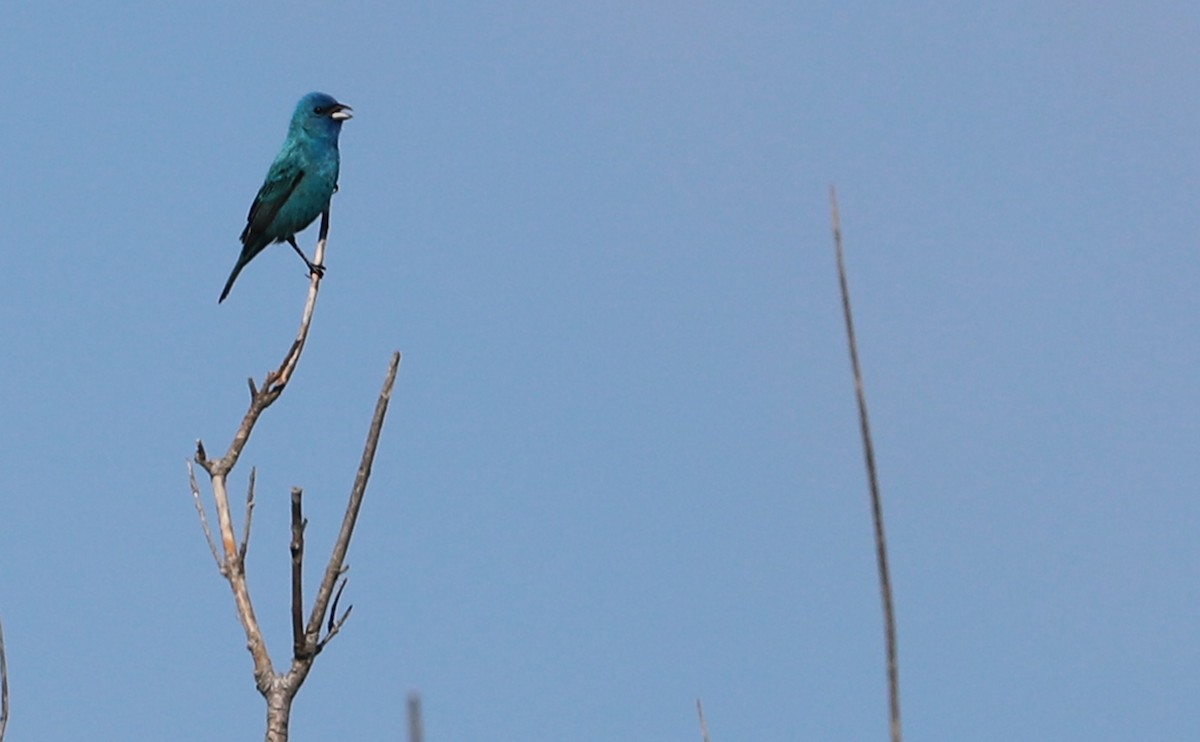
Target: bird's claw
{"points": [[318, 269]]}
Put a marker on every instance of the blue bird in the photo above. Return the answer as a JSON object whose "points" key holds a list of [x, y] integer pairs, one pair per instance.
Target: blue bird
{"points": [[299, 184]]}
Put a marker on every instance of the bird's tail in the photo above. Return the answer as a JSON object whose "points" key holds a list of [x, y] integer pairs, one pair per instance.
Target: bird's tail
{"points": [[241, 263]]}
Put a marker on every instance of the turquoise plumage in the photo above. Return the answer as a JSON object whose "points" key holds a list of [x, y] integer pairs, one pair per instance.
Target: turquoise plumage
{"points": [[299, 184]]}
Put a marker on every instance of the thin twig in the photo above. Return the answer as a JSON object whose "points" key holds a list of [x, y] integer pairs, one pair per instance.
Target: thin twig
{"points": [[337, 598], [885, 582], [245, 545], [284, 373], [335, 622], [297, 549], [703, 726], [334, 569], [334, 628], [3, 686], [212, 545]]}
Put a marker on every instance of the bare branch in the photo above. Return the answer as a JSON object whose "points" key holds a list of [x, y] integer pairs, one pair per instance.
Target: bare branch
{"points": [[245, 545], [279, 690], [334, 627], [337, 598], [336, 559], [703, 726], [212, 545], [885, 582], [3, 686], [284, 373], [232, 565], [297, 549]]}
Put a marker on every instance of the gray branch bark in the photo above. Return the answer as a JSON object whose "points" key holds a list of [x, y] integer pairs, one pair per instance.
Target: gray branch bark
{"points": [[279, 689]]}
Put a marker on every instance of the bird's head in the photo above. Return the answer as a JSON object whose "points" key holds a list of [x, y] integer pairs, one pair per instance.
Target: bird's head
{"points": [[320, 115]]}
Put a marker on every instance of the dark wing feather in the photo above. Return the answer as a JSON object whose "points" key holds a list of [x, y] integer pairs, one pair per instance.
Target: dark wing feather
{"points": [[276, 189]]}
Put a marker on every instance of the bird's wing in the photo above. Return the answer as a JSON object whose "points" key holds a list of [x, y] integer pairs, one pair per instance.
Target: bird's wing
{"points": [[281, 181]]}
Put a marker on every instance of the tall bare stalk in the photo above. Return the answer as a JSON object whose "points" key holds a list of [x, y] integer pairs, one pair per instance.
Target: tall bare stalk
{"points": [[885, 581]]}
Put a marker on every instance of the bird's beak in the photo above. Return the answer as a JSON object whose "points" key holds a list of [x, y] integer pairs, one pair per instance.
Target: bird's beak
{"points": [[341, 112]]}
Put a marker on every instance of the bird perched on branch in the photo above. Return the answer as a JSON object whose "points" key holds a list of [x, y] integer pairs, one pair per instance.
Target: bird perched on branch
{"points": [[299, 184]]}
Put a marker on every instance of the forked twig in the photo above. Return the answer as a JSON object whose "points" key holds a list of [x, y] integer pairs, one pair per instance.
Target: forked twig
{"points": [[885, 582]]}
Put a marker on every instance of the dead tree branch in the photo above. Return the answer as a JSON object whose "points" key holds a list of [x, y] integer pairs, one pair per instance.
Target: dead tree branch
{"points": [[233, 562], [885, 582], [212, 546], [306, 647], [279, 690], [297, 548], [249, 516], [335, 568]]}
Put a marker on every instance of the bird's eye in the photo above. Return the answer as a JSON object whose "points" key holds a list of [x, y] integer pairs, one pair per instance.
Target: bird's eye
{"points": [[319, 110]]}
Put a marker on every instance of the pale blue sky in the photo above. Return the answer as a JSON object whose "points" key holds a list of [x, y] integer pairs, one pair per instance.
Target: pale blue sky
{"points": [[621, 469]]}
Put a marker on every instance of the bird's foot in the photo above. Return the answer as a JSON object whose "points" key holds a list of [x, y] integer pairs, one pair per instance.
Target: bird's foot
{"points": [[318, 269]]}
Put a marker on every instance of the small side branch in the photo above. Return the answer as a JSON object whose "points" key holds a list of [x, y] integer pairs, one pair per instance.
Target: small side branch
{"points": [[249, 516], [297, 549], [703, 726], [212, 546], [284, 373], [337, 559], [885, 582], [336, 622]]}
